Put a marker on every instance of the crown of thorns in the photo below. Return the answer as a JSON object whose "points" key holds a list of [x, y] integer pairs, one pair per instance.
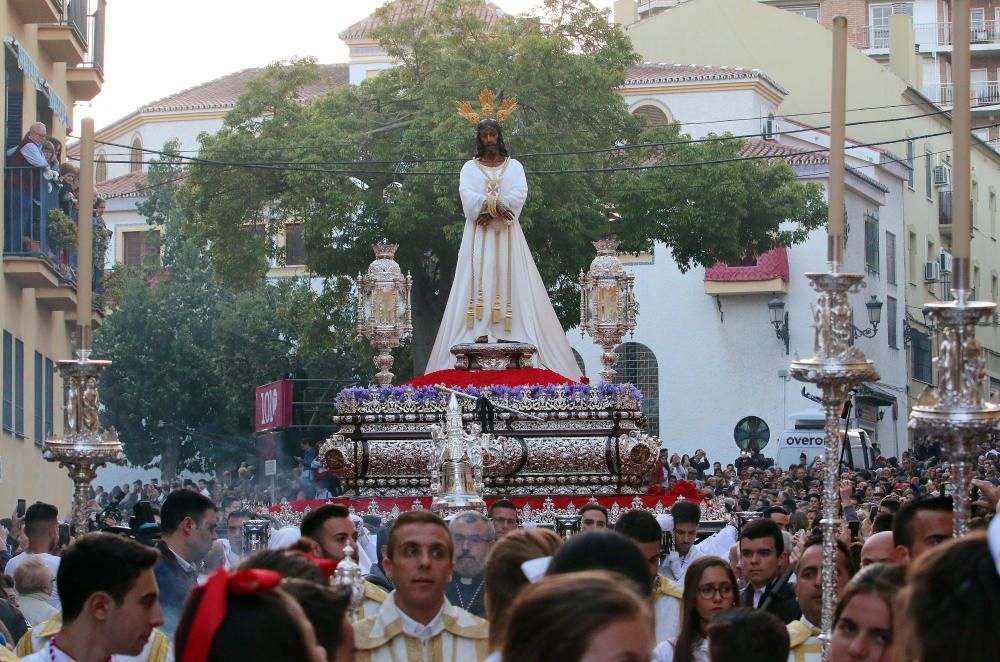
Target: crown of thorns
{"points": [[487, 105]]}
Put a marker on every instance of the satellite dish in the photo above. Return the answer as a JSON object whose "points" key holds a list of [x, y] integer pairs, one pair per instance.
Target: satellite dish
{"points": [[751, 433]]}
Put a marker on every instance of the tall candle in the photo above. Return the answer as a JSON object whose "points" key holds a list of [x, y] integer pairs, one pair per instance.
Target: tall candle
{"points": [[961, 129], [838, 111]]}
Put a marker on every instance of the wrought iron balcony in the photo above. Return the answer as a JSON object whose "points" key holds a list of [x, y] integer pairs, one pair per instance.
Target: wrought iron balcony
{"points": [[29, 198], [981, 93], [984, 35], [86, 79]]}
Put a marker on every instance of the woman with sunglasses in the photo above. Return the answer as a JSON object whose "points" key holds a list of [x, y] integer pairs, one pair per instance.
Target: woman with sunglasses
{"points": [[709, 589]]}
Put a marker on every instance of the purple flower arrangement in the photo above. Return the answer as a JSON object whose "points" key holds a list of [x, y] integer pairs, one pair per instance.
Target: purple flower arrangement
{"points": [[427, 398]]}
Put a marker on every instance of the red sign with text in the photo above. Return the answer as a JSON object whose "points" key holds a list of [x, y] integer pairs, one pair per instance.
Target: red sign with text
{"points": [[274, 405]]}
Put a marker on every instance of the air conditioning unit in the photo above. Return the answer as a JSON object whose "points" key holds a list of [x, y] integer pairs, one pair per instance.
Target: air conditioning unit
{"points": [[932, 272], [945, 261], [942, 175]]}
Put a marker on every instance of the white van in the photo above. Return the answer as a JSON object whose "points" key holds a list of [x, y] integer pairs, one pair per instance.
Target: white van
{"points": [[807, 436]]}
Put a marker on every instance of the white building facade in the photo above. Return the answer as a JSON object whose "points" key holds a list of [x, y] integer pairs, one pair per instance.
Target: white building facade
{"points": [[705, 352]]}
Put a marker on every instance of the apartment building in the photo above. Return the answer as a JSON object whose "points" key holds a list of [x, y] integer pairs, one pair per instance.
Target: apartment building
{"points": [[705, 352], [54, 51], [886, 105], [126, 146]]}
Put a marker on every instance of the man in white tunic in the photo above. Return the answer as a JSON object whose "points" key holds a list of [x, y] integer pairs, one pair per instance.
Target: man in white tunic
{"points": [[415, 622], [498, 291]]}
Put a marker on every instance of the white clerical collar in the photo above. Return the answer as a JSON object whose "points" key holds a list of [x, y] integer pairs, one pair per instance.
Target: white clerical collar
{"points": [[419, 630], [805, 621]]}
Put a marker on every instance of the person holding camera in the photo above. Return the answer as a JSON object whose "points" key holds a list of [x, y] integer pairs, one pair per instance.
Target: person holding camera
{"points": [[700, 463]]}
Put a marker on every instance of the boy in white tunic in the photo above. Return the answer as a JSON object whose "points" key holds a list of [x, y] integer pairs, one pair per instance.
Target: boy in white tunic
{"points": [[415, 623]]}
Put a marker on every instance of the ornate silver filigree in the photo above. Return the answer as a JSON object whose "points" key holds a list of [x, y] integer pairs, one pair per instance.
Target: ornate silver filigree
{"points": [[957, 412], [836, 368], [84, 447], [456, 463], [384, 315], [493, 356], [607, 304]]}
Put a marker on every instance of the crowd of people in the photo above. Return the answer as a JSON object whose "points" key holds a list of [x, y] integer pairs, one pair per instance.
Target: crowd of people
{"points": [[490, 586]]}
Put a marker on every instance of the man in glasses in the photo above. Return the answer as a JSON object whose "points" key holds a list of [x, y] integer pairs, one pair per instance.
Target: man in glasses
{"points": [[503, 515], [473, 536]]}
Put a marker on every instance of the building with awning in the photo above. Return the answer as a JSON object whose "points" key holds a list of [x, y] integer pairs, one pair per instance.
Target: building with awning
{"points": [[53, 57]]}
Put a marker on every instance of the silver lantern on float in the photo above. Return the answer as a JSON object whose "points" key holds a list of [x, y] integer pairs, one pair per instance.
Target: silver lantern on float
{"points": [[607, 304], [384, 315]]}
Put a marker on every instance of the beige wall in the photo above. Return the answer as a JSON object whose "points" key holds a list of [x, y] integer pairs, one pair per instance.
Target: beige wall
{"points": [[796, 54], [23, 472]]}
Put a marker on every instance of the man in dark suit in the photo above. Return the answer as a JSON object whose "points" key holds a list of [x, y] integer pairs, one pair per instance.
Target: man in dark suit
{"points": [[761, 547], [187, 520]]}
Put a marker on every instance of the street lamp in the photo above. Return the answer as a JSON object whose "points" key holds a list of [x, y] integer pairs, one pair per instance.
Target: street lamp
{"points": [[874, 307], [779, 318]]}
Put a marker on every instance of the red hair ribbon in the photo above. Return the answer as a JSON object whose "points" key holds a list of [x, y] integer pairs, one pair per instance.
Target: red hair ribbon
{"points": [[212, 609], [326, 565]]}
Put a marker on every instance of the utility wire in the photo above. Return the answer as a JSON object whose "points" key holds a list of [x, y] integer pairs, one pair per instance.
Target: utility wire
{"points": [[609, 169], [597, 150], [596, 189], [694, 123]]}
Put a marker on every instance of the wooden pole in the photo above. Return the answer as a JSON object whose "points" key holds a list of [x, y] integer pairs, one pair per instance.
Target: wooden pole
{"points": [[85, 237], [838, 119], [961, 136]]}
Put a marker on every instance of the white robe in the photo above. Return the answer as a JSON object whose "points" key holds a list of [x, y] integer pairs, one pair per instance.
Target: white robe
{"points": [[533, 320]]}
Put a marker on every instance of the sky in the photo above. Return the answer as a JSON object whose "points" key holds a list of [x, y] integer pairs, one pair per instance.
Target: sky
{"points": [[154, 48]]}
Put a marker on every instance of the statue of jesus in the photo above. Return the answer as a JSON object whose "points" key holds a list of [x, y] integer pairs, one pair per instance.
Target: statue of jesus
{"points": [[498, 291]]}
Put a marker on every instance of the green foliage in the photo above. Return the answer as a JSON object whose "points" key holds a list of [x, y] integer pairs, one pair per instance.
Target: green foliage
{"points": [[718, 212], [61, 230], [380, 160], [408, 113], [187, 353]]}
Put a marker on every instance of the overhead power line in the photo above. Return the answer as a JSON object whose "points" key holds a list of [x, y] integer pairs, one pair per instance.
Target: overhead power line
{"points": [[529, 155]]}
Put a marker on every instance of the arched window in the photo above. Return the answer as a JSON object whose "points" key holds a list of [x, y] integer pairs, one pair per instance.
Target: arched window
{"points": [[637, 365], [100, 167], [654, 116], [579, 362], [135, 155]]}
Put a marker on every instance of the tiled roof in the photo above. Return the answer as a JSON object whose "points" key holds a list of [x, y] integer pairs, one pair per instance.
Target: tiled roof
{"points": [[878, 148], [772, 264], [648, 73], [771, 149], [222, 93], [122, 187], [488, 13], [792, 156]]}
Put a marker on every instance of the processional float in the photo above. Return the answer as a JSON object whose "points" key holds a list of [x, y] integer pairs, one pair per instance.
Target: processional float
{"points": [[454, 446]]}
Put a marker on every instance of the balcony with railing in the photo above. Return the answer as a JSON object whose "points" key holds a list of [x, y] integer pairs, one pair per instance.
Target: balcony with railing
{"points": [[86, 79], [66, 41], [38, 250], [983, 95], [929, 37], [37, 11]]}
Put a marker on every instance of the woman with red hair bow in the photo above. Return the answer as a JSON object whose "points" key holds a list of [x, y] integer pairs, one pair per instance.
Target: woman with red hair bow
{"points": [[244, 616]]}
